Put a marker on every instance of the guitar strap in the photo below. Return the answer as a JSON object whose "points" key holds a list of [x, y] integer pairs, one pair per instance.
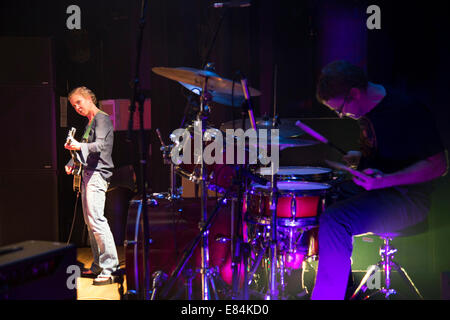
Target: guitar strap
{"points": [[88, 129]]}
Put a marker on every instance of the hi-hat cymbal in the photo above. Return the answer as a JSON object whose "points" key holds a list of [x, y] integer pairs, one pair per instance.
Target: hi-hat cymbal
{"points": [[283, 143], [287, 126], [222, 90]]}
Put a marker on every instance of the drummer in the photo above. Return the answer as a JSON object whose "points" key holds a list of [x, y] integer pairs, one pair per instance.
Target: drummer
{"points": [[400, 154]]}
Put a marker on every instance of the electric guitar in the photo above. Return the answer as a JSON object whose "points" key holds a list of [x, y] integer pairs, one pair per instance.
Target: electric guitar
{"points": [[77, 166]]}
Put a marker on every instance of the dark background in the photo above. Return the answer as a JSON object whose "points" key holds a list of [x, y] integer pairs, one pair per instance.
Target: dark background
{"points": [[297, 38]]}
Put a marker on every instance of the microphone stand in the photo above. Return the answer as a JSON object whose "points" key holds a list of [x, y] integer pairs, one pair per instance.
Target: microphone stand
{"points": [[138, 96], [213, 41]]}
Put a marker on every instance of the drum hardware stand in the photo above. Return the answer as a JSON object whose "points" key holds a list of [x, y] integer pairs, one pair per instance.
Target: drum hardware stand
{"points": [[201, 118], [240, 249], [189, 251], [158, 278], [205, 222], [273, 290], [174, 192]]}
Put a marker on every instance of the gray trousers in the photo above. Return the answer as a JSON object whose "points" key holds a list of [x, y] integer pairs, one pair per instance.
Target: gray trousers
{"points": [[93, 195]]}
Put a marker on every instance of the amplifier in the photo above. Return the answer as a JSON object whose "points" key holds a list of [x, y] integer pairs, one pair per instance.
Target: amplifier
{"points": [[37, 270]]}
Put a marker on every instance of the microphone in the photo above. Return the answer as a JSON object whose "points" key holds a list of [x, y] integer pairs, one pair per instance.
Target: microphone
{"points": [[232, 4]]}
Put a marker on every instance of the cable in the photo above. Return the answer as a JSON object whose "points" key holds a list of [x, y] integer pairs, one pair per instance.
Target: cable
{"points": [[73, 220]]}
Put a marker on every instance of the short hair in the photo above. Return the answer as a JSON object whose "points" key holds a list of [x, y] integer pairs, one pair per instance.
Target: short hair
{"points": [[337, 78], [85, 92]]}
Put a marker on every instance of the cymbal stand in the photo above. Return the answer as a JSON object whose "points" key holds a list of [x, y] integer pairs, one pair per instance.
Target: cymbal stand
{"points": [[201, 118], [273, 288], [207, 274]]}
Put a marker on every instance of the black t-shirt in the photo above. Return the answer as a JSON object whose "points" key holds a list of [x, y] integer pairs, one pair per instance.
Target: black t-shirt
{"points": [[398, 132]]}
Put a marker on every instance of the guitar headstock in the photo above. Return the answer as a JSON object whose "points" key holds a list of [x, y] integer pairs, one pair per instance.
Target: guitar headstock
{"points": [[71, 135]]}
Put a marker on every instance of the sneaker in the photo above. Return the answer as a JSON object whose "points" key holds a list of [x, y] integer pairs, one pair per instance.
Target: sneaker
{"points": [[102, 280]]}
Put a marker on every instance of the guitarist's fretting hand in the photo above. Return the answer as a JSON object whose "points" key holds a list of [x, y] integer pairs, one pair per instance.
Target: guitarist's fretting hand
{"points": [[74, 145], [69, 169]]}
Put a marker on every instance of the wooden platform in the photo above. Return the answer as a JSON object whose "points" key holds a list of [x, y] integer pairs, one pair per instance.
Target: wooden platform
{"points": [[86, 290]]}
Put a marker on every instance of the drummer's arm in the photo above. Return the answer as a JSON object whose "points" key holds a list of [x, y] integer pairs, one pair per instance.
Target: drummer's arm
{"points": [[422, 171]]}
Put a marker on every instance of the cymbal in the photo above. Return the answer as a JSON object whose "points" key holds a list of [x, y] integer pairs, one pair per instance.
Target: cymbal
{"points": [[287, 126], [220, 89], [282, 142]]}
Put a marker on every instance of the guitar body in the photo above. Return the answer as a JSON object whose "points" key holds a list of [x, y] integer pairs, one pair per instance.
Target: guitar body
{"points": [[77, 166]]}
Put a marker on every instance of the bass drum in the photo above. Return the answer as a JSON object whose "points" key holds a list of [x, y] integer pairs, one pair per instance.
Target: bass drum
{"points": [[172, 227]]}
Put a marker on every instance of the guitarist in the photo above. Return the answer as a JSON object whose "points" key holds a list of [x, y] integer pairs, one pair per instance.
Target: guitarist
{"points": [[94, 153]]}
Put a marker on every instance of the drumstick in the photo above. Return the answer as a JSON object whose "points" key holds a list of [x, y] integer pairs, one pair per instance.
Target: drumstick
{"points": [[318, 136], [341, 166]]}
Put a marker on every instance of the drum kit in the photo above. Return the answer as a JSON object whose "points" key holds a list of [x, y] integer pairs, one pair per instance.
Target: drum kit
{"points": [[242, 243]]}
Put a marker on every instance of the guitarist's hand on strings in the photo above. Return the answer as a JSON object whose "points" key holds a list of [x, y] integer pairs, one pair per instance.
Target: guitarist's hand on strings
{"points": [[74, 145]]}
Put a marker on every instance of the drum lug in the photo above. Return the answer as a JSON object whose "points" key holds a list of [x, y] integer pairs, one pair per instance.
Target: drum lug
{"points": [[293, 207], [129, 243]]}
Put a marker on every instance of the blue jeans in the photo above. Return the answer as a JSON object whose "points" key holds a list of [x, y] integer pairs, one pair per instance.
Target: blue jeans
{"points": [[93, 195], [377, 211]]}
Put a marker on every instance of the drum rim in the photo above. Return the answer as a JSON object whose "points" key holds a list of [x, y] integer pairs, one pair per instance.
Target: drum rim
{"points": [[325, 175], [298, 222], [327, 170]]}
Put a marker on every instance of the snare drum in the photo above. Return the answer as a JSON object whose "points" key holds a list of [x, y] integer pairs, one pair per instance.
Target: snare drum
{"points": [[314, 174], [299, 203]]}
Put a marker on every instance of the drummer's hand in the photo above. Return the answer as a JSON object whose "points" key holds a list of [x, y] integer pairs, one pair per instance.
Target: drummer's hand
{"points": [[74, 145], [371, 180], [352, 158]]}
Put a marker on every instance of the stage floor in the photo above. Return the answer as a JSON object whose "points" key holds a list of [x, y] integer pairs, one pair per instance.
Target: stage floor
{"points": [[86, 290]]}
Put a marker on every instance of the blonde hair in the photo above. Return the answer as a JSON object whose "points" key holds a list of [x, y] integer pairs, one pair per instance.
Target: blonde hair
{"points": [[85, 92]]}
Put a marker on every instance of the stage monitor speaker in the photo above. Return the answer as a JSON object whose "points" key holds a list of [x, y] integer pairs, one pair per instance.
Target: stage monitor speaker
{"points": [[26, 61], [37, 270], [29, 206], [29, 127]]}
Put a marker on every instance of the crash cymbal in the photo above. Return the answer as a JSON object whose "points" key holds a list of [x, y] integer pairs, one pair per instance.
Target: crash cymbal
{"points": [[220, 89], [287, 126]]}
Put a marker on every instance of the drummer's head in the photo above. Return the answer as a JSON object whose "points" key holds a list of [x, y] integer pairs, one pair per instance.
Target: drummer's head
{"points": [[341, 86]]}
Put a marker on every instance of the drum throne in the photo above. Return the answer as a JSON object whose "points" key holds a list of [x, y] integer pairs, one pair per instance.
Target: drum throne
{"points": [[387, 263]]}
